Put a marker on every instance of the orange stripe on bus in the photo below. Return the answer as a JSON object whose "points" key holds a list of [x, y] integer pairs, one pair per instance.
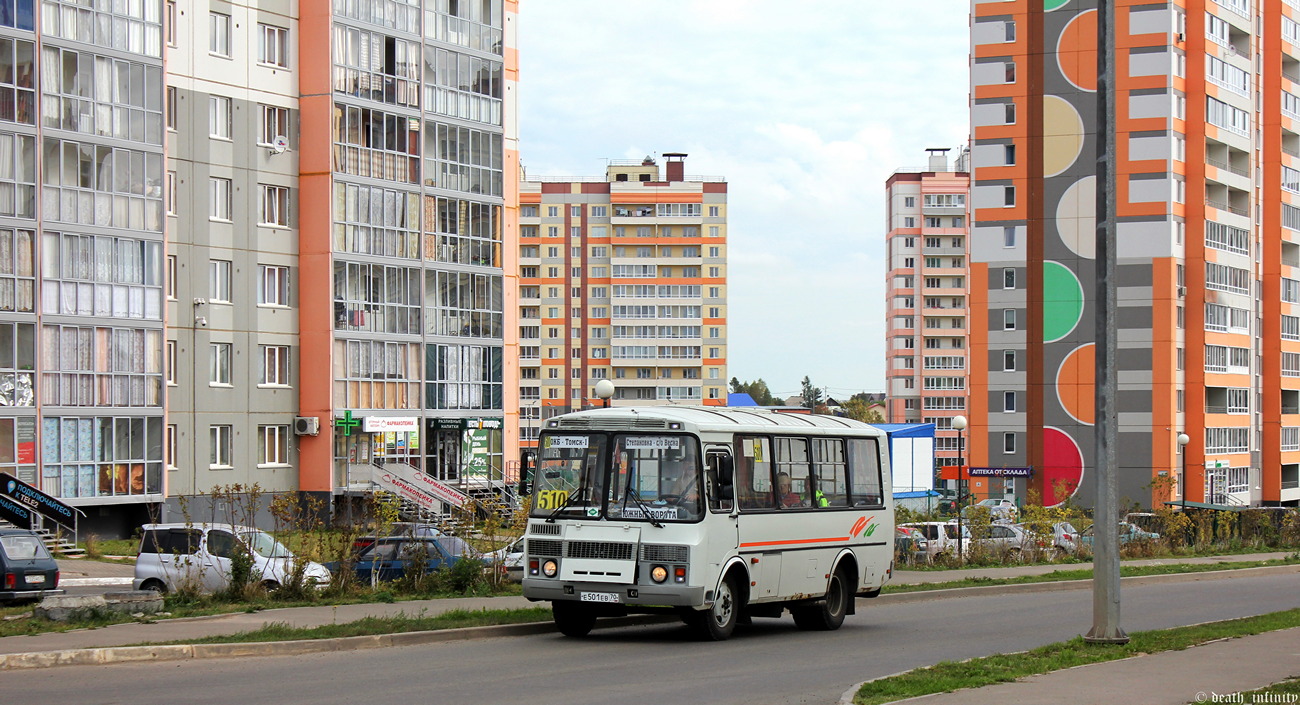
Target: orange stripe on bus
{"points": [[778, 543]]}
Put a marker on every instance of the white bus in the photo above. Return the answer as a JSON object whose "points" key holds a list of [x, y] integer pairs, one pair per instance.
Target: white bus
{"points": [[715, 514]]}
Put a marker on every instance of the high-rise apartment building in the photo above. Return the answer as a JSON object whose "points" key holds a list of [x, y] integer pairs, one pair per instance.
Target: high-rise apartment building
{"points": [[622, 277], [81, 254], [339, 231], [926, 314], [1208, 244]]}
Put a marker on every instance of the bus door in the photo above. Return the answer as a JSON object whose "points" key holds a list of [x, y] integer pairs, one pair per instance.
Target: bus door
{"points": [[721, 532], [759, 533]]}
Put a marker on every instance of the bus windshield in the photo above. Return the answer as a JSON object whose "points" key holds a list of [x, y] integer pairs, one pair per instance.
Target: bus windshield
{"points": [[570, 475], [653, 477], [655, 474]]}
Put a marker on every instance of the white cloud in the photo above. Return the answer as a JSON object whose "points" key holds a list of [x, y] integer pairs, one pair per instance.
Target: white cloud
{"points": [[806, 109]]}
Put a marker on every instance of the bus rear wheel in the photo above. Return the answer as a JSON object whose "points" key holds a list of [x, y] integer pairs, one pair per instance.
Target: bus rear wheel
{"points": [[829, 615], [572, 619]]}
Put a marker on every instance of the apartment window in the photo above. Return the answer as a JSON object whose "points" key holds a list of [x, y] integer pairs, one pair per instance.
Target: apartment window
{"points": [[171, 277], [1009, 32], [959, 221], [219, 34], [1008, 278], [909, 222], [169, 109], [713, 211], [1009, 113], [909, 262], [599, 211], [169, 22], [1008, 402], [273, 286], [219, 117], [1009, 72], [575, 211], [169, 443], [909, 201], [1008, 443], [273, 445], [272, 45], [1008, 195], [274, 205], [275, 125], [1009, 154], [1009, 319], [170, 195], [169, 363], [275, 366], [219, 280], [220, 440], [219, 364], [932, 222], [1009, 236], [219, 199], [1008, 360]]}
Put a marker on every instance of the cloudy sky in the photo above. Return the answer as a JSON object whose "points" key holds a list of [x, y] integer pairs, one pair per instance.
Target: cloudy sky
{"points": [[805, 108]]}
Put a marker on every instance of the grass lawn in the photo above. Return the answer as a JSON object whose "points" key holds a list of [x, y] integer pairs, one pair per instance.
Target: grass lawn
{"points": [[1002, 668], [1086, 574]]}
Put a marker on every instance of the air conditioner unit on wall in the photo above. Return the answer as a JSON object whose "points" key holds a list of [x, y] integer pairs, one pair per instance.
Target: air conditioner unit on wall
{"points": [[306, 426]]}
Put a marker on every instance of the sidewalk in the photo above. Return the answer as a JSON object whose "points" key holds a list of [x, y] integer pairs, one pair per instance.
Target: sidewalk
{"points": [[1195, 675]]}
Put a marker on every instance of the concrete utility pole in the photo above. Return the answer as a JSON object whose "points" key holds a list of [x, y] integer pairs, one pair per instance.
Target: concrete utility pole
{"points": [[1105, 580]]}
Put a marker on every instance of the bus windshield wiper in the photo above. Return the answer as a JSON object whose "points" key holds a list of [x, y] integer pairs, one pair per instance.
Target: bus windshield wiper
{"points": [[636, 496], [568, 499]]}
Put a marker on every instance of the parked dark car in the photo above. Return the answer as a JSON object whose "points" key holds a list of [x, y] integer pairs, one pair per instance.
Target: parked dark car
{"points": [[388, 558], [29, 571]]}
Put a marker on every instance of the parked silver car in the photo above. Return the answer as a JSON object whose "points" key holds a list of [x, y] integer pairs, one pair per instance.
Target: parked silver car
{"points": [[198, 556]]}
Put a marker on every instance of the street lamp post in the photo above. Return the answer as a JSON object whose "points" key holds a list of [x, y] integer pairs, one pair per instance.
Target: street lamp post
{"points": [[605, 390], [959, 423], [1183, 440]]}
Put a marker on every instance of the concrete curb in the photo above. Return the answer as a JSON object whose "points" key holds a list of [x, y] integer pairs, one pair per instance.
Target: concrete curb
{"points": [[181, 652], [93, 582]]}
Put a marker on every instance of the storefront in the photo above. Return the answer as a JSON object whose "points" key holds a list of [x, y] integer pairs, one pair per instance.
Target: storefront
{"points": [[374, 440], [467, 451]]}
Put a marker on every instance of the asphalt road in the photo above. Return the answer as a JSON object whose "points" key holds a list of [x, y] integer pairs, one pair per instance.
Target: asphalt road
{"points": [[770, 662]]}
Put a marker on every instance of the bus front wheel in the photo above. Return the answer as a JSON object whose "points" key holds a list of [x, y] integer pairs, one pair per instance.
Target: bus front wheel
{"points": [[572, 619], [719, 621], [828, 615]]}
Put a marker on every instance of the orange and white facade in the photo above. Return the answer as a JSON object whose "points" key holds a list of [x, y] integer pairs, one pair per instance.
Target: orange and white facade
{"points": [[363, 242], [926, 358], [621, 277], [1208, 241]]}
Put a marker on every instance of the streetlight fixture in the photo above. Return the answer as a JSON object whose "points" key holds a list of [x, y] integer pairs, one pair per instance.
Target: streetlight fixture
{"points": [[959, 423], [605, 390], [1183, 440]]}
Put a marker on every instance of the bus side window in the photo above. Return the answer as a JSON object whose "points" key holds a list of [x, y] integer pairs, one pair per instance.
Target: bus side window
{"points": [[753, 485], [792, 474], [830, 473], [866, 483]]}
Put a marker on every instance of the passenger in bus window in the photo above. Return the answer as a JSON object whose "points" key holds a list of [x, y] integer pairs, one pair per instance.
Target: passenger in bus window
{"points": [[785, 496]]}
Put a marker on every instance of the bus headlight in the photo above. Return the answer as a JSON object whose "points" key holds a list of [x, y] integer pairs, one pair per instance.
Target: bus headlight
{"points": [[658, 574], [550, 568]]}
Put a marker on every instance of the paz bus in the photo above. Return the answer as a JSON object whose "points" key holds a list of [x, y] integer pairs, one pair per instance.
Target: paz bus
{"points": [[714, 514]]}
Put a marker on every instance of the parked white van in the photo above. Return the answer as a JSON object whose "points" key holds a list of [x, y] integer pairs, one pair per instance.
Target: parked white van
{"points": [[199, 555]]}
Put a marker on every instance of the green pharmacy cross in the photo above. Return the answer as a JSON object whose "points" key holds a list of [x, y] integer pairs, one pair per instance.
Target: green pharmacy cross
{"points": [[347, 423]]}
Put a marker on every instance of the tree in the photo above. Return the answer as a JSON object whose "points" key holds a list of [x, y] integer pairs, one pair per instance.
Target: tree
{"points": [[812, 396], [757, 390]]}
